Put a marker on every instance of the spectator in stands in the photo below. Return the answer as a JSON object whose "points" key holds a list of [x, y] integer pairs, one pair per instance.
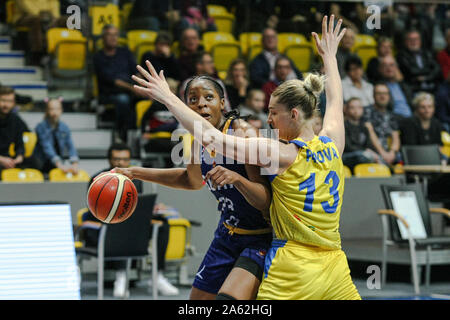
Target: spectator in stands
{"points": [[204, 65], [354, 85], [283, 68], [358, 147], [11, 131], [344, 51], [237, 82], [119, 155], [162, 58], [383, 126], [152, 15], [335, 8], [296, 17], [401, 93], [443, 57], [418, 65], [194, 14], [255, 13], [443, 104], [38, 16], [262, 67], [384, 49], [156, 122], [422, 128], [189, 48], [254, 105], [113, 66], [54, 141]]}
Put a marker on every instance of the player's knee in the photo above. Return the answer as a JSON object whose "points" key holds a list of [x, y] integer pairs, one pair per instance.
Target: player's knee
{"points": [[224, 296]]}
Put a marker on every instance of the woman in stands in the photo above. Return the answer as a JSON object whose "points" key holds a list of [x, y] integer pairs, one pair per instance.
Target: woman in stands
{"points": [[233, 265], [306, 260]]}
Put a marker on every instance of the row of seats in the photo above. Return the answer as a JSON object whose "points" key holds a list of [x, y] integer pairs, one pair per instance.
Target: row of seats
{"points": [[16, 175], [69, 47]]}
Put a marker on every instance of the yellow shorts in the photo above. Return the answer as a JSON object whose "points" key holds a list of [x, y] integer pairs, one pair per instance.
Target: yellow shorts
{"points": [[294, 271]]}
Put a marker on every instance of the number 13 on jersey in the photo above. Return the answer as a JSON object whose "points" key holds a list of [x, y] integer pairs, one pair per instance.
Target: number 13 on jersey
{"points": [[309, 184]]}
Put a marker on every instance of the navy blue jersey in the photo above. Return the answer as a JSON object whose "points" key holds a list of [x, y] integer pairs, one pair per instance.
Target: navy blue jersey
{"points": [[234, 208]]}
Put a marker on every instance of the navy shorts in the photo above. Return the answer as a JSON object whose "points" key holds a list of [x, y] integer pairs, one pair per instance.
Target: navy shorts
{"points": [[223, 253]]}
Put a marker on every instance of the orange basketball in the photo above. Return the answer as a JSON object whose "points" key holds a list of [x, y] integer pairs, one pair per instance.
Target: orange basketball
{"points": [[112, 197]]}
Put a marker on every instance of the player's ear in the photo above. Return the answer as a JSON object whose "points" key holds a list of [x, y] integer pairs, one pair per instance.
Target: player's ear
{"points": [[294, 113]]}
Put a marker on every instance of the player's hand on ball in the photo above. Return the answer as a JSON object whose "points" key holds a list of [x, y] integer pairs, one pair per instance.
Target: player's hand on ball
{"points": [[221, 176], [125, 171]]}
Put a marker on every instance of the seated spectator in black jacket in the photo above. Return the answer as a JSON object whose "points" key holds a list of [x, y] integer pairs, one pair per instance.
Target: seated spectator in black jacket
{"points": [[384, 49], [422, 128], [358, 147], [162, 58], [262, 67], [401, 93], [443, 104], [12, 128], [418, 65], [114, 66]]}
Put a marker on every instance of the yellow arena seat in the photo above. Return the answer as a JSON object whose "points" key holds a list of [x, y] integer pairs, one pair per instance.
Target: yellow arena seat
{"points": [[179, 239], [286, 39], [365, 48], [141, 108], [141, 41], [57, 175], [68, 47], [103, 15], [222, 18], [214, 9], [57, 35], [347, 171], [250, 40], [445, 137], [17, 175], [29, 142], [297, 48], [223, 47], [367, 170]]}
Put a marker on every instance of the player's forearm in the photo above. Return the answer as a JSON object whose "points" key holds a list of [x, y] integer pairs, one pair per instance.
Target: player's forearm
{"points": [[177, 178], [333, 84], [255, 193]]}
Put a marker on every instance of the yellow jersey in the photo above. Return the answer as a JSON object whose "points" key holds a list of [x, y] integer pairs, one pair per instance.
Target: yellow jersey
{"points": [[307, 196]]}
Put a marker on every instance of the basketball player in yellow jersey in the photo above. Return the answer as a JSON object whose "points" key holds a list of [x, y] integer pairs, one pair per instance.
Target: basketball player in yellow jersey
{"points": [[306, 260]]}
